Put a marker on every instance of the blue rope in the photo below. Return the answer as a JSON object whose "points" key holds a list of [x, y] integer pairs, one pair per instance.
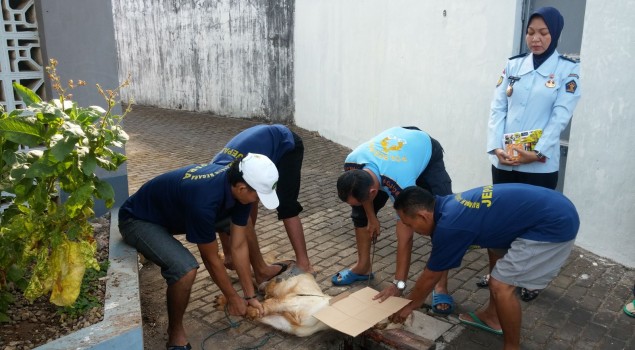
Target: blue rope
{"points": [[233, 324]]}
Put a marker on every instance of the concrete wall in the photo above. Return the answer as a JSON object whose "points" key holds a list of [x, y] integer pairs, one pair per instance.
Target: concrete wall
{"points": [[600, 173], [79, 34], [365, 65], [229, 57]]}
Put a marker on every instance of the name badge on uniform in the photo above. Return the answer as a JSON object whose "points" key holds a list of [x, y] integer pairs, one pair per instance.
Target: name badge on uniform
{"points": [[550, 83]]}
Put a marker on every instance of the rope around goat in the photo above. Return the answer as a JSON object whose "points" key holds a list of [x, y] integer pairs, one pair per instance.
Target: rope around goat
{"points": [[233, 324]]}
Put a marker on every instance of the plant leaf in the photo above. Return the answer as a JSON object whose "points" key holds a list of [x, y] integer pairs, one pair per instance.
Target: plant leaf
{"points": [[78, 199], [88, 164], [63, 147], [28, 97], [105, 192], [21, 130]]}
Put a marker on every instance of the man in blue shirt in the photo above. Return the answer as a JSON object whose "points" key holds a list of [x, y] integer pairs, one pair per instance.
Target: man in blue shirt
{"points": [[377, 170], [286, 150], [535, 228], [192, 201]]}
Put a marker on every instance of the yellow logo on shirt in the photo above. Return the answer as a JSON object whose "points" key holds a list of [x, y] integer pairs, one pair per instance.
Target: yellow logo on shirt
{"points": [[191, 174], [486, 198], [391, 143], [388, 144]]}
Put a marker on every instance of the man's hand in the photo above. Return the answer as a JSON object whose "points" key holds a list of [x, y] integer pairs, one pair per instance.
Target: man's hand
{"points": [[390, 291], [401, 315], [236, 306], [256, 304], [373, 227]]}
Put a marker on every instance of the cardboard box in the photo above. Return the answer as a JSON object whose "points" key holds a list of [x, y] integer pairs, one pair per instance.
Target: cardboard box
{"points": [[357, 312]]}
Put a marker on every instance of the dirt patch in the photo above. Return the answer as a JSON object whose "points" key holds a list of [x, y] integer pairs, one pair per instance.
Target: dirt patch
{"points": [[153, 306], [37, 323]]}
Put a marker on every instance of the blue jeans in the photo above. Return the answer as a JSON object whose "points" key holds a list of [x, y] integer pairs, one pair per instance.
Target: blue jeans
{"points": [[159, 246]]}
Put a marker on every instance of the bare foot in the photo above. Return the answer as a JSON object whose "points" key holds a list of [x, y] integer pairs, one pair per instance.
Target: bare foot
{"points": [[307, 269]]}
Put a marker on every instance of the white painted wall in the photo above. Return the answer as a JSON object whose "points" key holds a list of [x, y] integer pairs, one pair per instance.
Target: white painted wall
{"points": [[362, 66], [601, 167]]}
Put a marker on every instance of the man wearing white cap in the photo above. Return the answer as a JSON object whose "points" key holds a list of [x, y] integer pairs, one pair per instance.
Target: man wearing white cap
{"points": [[192, 201]]}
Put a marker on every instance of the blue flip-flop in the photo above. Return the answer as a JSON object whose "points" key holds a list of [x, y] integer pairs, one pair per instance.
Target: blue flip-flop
{"points": [[440, 298], [346, 277], [476, 322]]}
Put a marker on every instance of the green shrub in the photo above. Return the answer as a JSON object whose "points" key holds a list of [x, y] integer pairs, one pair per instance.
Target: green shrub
{"points": [[47, 240]]}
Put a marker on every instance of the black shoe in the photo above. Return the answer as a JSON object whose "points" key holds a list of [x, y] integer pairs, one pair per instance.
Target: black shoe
{"points": [[483, 282], [529, 295]]}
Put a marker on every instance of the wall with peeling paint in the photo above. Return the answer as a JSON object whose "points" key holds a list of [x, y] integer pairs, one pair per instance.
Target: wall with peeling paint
{"points": [[228, 57]]}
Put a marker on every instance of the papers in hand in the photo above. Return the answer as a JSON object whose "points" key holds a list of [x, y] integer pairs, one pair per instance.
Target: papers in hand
{"points": [[525, 140]]}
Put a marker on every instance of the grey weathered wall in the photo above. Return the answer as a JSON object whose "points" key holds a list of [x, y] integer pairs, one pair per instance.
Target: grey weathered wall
{"points": [[229, 57]]}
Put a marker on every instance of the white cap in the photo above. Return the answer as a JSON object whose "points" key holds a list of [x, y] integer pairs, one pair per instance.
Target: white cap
{"points": [[262, 175]]}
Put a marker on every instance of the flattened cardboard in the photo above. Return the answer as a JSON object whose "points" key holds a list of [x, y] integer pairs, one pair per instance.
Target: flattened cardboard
{"points": [[358, 312]]}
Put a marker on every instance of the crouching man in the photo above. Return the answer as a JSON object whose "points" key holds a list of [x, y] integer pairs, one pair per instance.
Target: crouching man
{"points": [[532, 228], [193, 200]]}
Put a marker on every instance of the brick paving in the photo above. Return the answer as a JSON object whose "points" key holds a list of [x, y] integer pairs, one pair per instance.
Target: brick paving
{"points": [[581, 309]]}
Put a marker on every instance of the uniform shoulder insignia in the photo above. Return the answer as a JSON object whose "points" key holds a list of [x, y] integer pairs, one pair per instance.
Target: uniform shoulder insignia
{"points": [[519, 56], [570, 58]]}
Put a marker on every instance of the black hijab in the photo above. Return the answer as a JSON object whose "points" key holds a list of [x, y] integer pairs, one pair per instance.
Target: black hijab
{"points": [[555, 22]]}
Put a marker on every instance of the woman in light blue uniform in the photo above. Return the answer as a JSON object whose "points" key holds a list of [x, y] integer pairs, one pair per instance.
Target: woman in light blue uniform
{"points": [[539, 90]]}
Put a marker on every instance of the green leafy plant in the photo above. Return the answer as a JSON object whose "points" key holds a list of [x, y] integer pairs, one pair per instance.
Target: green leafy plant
{"points": [[41, 237]]}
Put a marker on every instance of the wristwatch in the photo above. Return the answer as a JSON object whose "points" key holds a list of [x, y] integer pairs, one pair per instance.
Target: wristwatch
{"points": [[540, 156], [401, 285]]}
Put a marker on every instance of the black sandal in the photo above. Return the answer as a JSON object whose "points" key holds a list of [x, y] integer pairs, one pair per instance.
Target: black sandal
{"points": [[529, 295], [178, 347], [483, 282]]}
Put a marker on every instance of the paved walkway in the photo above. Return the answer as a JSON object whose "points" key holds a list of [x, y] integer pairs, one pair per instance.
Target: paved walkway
{"points": [[581, 309]]}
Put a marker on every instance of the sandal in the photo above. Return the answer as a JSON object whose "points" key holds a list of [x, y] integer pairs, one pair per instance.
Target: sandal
{"points": [[439, 299], [476, 322], [529, 295], [346, 277], [629, 309], [483, 282], [178, 347]]}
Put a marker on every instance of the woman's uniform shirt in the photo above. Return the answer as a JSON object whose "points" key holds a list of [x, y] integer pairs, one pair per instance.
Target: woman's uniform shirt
{"points": [[535, 103]]}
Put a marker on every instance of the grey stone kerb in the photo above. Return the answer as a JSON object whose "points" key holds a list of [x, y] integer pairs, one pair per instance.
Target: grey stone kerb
{"points": [[121, 327]]}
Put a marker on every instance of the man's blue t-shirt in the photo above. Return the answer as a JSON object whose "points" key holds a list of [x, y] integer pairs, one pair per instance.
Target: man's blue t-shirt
{"points": [[494, 216], [188, 200], [272, 141], [397, 157]]}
